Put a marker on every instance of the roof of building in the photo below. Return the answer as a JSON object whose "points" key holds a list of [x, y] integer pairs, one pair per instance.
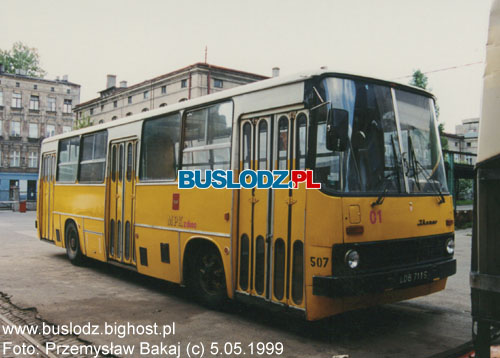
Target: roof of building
{"points": [[31, 78], [451, 135], [170, 74]]}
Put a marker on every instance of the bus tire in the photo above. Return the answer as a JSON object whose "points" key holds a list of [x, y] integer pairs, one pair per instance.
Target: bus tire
{"points": [[207, 278], [73, 249]]}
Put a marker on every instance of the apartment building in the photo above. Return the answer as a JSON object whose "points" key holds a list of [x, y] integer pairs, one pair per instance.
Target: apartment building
{"points": [[31, 109], [118, 101]]}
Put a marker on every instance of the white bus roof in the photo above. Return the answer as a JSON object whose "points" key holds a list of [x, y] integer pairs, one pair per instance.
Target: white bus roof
{"points": [[489, 125], [233, 92]]}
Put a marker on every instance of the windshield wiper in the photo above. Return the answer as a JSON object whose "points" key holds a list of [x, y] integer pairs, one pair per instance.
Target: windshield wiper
{"points": [[381, 196], [427, 176]]}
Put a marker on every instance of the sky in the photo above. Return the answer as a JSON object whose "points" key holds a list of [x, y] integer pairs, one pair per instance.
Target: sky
{"points": [[138, 40]]}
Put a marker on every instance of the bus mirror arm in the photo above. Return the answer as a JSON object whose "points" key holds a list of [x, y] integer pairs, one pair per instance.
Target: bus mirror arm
{"points": [[337, 125]]}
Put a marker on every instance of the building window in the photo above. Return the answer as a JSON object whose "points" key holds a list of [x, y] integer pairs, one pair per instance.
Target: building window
{"points": [[51, 104], [68, 91], [101, 121], [218, 83], [129, 99], [91, 111], [33, 160], [102, 107], [51, 89], [184, 83], [469, 144], [35, 86], [34, 103], [145, 110], [14, 158], [50, 130], [163, 89], [163, 105], [66, 129], [67, 106], [456, 144], [114, 118], [1, 132], [17, 84], [15, 129], [128, 114], [146, 94], [33, 130], [115, 104], [1, 98], [16, 100]]}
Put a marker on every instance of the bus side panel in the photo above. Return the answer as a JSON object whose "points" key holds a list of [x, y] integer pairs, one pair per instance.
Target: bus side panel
{"points": [[321, 233], [164, 214], [85, 205]]}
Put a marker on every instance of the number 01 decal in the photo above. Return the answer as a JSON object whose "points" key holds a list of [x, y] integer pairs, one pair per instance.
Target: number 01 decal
{"points": [[376, 216]]}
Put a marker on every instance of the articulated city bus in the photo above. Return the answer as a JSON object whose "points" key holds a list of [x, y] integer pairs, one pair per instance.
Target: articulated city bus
{"points": [[380, 229], [485, 263]]}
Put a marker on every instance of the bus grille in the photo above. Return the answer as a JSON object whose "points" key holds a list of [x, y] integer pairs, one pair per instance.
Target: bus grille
{"points": [[382, 255]]}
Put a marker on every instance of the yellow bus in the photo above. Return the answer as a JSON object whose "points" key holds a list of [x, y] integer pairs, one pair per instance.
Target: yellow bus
{"points": [[379, 230]]}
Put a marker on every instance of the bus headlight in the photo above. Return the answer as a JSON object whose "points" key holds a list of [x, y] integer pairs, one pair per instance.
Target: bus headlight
{"points": [[352, 259], [450, 246]]}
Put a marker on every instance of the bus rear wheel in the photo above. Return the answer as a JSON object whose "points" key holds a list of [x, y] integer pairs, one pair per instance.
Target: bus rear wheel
{"points": [[73, 250], [208, 280]]}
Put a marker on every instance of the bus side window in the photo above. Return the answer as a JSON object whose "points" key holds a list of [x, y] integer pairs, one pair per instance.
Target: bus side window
{"points": [[160, 143], [301, 140], [207, 137], [262, 146], [283, 143]]}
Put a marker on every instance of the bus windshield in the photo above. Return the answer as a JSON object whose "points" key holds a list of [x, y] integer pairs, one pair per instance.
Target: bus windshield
{"points": [[391, 142]]}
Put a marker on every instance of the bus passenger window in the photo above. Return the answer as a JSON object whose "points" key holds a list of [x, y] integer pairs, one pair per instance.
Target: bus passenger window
{"points": [[262, 146], [113, 164], [247, 138], [93, 160], [129, 161], [67, 165], [283, 143], [120, 164], [160, 146], [207, 137], [301, 140]]}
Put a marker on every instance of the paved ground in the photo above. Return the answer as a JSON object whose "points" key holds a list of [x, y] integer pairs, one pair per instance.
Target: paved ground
{"points": [[36, 274]]}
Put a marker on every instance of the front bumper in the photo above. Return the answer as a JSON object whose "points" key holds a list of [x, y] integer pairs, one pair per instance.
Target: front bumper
{"points": [[365, 283]]}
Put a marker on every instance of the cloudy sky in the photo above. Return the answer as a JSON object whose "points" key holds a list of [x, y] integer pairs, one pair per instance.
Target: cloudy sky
{"points": [[137, 40]]}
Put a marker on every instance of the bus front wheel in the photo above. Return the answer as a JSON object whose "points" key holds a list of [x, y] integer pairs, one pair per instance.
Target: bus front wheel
{"points": [[73, 245], [208, 281]]}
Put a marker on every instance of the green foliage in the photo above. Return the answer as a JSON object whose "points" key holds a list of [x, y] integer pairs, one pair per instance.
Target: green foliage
{"points": [[22, 57], [444, 140], [418, 79], [83, 122]]}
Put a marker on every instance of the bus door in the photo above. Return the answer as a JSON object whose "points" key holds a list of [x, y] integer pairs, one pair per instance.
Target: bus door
{"points": [[254, 211], [121, 236], [271, 222], [47, 195]]}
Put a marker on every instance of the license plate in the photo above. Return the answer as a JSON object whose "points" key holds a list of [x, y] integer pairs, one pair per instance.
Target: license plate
{"points": [[413, 277]]}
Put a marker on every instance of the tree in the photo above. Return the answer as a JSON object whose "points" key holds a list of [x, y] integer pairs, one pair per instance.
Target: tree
{"points": [[419, 79], [83, 122], [22, 57]]}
